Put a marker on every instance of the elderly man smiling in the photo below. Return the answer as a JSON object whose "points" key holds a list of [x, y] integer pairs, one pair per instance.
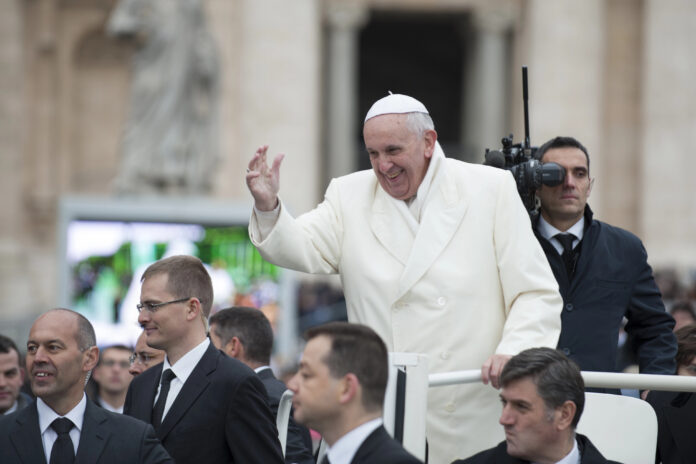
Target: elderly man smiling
{"points": [[436, 255]]}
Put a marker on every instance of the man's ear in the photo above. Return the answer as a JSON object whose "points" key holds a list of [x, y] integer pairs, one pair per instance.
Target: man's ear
{"points": [[193, 309], [589, 187], [234, 348], [90, 358], [350, 388], [430, 137], [565, 414]]}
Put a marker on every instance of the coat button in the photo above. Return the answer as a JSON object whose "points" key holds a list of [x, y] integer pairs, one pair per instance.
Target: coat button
{"points": [[441, 301], [450, 407], [569, 306], [566, 351], [445, 355]]}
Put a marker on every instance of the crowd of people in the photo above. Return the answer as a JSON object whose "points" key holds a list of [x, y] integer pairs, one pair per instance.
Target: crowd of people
{"points": [[435, 256]]}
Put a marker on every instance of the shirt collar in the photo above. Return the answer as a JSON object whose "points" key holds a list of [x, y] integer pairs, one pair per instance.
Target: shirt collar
{"points": [[548, 231], [344, 449], [12, 408], [573, 457], [48, 415], [261, 368], [185, 365]]}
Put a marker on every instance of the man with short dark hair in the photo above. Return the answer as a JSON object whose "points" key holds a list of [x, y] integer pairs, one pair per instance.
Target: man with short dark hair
{"points": [[543, 396], [112, 377], [339, 392], [246, 334], [63, 425], [11, 378], [205, 406], [144, 357], [602, 272]]}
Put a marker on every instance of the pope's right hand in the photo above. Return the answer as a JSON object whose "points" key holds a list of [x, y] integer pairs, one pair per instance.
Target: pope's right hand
{"points": [[264, 181]]}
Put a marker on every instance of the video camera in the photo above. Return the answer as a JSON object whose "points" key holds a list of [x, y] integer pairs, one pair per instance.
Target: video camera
{"points": [[519, 159]]}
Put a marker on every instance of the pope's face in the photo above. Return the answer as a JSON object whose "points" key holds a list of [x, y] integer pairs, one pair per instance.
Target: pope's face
{"points": [[399, 156]]}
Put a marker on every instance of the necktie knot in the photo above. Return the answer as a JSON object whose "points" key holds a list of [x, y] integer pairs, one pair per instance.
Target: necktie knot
{"points": [[566, 240], [62, 425], [167, 377]]}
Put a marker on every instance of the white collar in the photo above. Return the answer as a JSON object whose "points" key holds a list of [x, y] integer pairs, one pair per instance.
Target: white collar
{"points": [[48, 415], [549, 232], [12, 408], [261, 368], [416, 204], [573, 457], [344, 449], [185, 365]]}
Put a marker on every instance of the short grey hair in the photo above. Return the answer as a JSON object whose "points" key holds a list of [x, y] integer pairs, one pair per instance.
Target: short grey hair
{"points": [[556, 377], [418, 123]]}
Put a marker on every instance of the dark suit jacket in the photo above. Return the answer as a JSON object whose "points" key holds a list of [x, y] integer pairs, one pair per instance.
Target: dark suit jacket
{"points": [[498, 455], [380, 448], [221, 414], [676, 422], [612, 280], [298, 448], [106, 438]]}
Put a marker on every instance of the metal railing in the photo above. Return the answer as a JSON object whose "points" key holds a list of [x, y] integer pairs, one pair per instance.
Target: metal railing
{"points": [[680, 383]]}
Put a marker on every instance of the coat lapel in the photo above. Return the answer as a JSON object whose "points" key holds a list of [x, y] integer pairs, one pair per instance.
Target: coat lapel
{"points": [[196, 384], [441, 217], [94, 434], [389, 227], [26, 438]]}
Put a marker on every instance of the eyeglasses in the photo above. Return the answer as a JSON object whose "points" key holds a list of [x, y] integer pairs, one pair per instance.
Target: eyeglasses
{"points": [[142, 358], [113, 362], [152, 307]]}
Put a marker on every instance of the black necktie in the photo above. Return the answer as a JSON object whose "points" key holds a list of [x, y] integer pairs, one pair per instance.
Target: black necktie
{"points": [[158, 410], [63, 451], [566, 240]]}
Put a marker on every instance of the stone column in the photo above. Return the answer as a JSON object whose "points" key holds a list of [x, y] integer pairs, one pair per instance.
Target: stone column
{"points": [[486, 74], [668, 190], [345, 20]]}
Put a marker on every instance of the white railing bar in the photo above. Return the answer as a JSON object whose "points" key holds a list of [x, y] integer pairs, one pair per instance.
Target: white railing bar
{"points": [[592, 379]]}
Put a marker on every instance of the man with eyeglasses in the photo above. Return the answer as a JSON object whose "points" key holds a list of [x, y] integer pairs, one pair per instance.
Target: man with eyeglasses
{"points": [[205, 406], [144, 357], [112, 377]]}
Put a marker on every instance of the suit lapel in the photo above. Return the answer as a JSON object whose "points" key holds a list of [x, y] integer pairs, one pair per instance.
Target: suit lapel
{"points": [[441, 217], [367, 448], [389, 226], [26, 438], [94, 434], [196, 383]]}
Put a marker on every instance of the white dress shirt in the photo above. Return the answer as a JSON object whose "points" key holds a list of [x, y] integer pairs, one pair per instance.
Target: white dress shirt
{"points": [[182, 369], [343, 451], [12, 409], [48, 415], [549, 232]]}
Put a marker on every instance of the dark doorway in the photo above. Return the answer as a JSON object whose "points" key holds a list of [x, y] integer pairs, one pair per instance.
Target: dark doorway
{"points": [[419, 55]]}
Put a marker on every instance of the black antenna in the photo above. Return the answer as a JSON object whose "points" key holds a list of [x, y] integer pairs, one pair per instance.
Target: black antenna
{"points": [[525, 97]]}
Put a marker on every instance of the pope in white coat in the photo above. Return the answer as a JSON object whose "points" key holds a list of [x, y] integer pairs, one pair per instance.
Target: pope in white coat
{"points": [[436, 255]]}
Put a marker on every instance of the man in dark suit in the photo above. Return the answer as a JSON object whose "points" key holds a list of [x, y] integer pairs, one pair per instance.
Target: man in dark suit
{"points": [[602, 272], [339, 392], [63, 426], [543, 396], [246, 334], [676, 411], [205, 406], [11, 378]]}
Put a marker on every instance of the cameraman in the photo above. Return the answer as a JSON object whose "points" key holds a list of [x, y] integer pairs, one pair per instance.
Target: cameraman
{"points": [[602, 272]]}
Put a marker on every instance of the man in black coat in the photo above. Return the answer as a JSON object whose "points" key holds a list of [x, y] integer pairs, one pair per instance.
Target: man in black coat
{"points": [[339, 392], [63, 425], [205, 406], [246, 334], [543, 396], [602, 272]]}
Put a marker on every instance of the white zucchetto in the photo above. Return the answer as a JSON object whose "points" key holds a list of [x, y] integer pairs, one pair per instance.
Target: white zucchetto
{"points": [[395, 103]]}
